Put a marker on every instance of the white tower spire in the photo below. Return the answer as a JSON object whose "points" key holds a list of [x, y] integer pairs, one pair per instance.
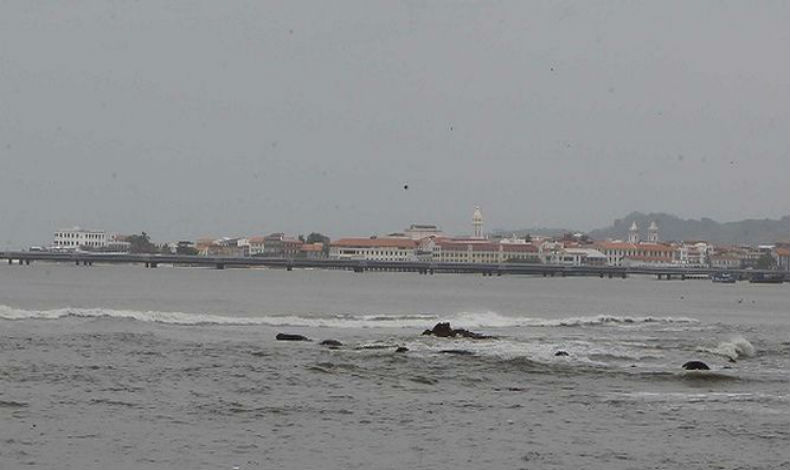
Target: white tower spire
{"points": [[652, 232], [477, 223], [633, 233]]}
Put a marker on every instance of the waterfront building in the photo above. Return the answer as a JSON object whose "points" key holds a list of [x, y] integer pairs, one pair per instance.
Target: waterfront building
{"points": [[482, 251], [223, 247], [578, 257], [420, 231], [694, 253], [277, 245], [117, 244], [633, 254], [727, 260], [256, 245], [312, 250], [374, 249], [75, 238], [782, 254]]}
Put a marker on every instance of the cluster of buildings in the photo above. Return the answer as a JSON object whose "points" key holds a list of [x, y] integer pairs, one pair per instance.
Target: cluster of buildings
{"points": [[276, 245], [422, 242]]}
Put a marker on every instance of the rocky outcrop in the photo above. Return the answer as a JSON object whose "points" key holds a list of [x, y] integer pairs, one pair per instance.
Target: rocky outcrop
{"points": [[402, 349], [561, 353], [695, 365], [331, 343], [290, 337], [444, 330]]}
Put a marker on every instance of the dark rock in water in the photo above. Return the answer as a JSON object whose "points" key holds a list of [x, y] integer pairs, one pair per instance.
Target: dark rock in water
{"points": [[695, 365], [331, 342], [732, 359], [457, 352], [561, 353], [290, 337], [470, 334], [402, 349], [443, 330]]}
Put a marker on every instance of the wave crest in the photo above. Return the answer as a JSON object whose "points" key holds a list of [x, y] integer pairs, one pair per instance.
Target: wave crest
{"points": [[420, 321], [732, 349]]}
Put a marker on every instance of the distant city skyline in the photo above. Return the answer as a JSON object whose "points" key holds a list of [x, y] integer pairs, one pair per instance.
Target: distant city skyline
{"points": [[360, 118], [470, 230]]}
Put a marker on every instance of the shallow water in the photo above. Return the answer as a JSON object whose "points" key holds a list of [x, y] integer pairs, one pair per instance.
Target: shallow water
{"points": [[124, 366]]}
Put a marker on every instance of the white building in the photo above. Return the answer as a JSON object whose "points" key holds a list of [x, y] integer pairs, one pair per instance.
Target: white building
{"points": [[257, 245], [694, 253], [420, 231], [374, 249], [579, 257], [77, 237], [475, 250]]}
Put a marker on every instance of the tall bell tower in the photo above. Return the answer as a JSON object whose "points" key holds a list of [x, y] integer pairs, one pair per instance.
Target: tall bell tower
{"points": [[652, 232], [477, 223], [633, 233]]}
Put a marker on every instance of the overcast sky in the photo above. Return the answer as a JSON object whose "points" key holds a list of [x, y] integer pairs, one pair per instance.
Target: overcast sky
{"points": [[188, 118]]}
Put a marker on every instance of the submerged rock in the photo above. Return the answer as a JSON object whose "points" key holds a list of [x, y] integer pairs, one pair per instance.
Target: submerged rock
{"points": [[290, 337], [331, 342], [443, 330], [402, 349], [695, 365], [561, 353]]}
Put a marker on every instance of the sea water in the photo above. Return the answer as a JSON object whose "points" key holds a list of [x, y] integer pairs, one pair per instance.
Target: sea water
{"points": [[127, 367]]}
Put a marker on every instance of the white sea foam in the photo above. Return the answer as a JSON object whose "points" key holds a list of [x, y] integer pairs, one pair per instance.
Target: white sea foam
{"points": [[461, 320], [736, 347]]}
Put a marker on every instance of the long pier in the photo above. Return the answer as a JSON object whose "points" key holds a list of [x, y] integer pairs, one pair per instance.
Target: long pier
{"points": [[359, 266]]}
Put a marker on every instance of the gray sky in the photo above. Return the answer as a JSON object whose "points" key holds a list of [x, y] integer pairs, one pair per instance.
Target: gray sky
{"points": [[188, 118]]}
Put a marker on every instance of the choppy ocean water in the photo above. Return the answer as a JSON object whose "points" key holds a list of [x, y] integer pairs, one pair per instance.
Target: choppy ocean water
{"points": [[122, 366]]}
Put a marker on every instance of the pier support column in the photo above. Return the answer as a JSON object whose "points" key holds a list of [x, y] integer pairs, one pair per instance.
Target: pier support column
{"points": [[625, 275], [289, 268], [683, 277], [153, 265], [27, 262], [77, 262], [220, 266], [10, 261]]}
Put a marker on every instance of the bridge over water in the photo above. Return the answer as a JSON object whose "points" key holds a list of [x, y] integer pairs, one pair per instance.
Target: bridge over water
{"points": [[422, 267]]}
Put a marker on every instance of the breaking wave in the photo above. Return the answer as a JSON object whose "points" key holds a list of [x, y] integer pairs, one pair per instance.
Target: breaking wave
{"points": [[733, 349], [462, 320]]}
